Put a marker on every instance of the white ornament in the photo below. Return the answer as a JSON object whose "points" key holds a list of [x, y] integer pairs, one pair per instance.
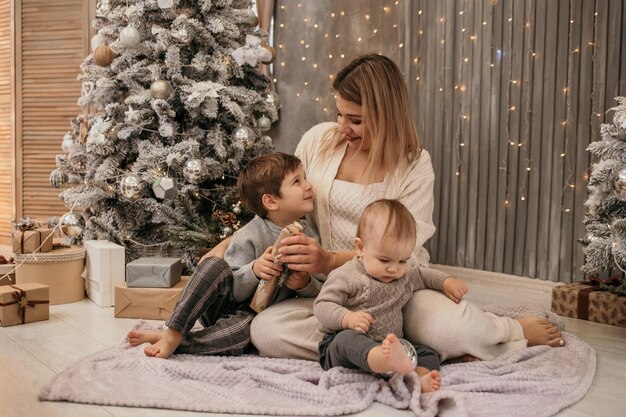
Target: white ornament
{"points": [[252, 52], [164, 188], [130, 37], [97, 40], [264, 123], [165, 4], [160, 89], [68, 142], [195, 171], [131, 186], [72, 224]]}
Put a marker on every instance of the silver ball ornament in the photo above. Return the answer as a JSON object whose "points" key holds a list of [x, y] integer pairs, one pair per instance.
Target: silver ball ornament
{"points": [[244, 134], [195, 171], [160, 89], [164, 188], [273, 99], [237, 209], [410, 351], [619, 183], [72, 224], [227, 231], [264, 123], [58, 178], [68, 142], [130, 37], [131, 186]]}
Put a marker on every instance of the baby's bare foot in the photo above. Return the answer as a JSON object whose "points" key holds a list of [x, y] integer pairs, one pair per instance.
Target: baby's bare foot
{"points": [[539, 331], [431, 381], [165, 346], [395, 356], [138, 337]]}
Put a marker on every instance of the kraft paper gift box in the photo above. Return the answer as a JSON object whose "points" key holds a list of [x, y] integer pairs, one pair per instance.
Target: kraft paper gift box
{"points": [[104, 270], [585, 301], [23, 303], [7, 274], [147, 303], [32, 240], [153, 272], [60, 269]]}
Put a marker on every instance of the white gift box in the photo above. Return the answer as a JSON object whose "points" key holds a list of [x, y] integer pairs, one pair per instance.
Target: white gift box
{"points": [[105, 270]]}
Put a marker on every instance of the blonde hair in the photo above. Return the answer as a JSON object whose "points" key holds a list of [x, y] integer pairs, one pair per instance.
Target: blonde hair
{"points": [[399, 223], [375, 83]]}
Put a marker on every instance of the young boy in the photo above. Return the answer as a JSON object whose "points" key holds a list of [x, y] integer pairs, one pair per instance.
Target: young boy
{"points": [[360, 305], [219, 292]]}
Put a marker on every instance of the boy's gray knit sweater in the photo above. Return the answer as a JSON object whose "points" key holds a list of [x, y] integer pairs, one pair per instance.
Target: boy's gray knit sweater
{"points": [[247, 245], [350, 288]]}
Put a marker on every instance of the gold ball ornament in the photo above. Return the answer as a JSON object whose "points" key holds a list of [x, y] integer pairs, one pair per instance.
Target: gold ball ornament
{"points": [[103, 56], [160, 89], [272, 51], [58, 178]]}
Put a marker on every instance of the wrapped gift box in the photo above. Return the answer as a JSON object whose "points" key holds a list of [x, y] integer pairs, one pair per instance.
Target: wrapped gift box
{"points": [[584, 301], [7, 274], [104, 269], [153, 272], [60, 269], [32, 240], [147, 303], [23, 303]]}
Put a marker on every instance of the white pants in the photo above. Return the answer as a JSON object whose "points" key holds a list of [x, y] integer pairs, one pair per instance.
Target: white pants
{"points": [[290, 330]]}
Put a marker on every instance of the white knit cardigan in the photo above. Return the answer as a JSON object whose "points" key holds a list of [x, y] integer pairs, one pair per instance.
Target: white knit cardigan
{"points": [[413, 187]]}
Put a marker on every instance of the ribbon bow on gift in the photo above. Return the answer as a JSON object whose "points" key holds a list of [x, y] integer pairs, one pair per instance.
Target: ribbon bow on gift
{"points": [[22, 302], [23, 225]]}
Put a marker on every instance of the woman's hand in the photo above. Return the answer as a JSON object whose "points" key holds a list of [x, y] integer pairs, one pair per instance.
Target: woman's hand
{"points": [[264, 267], [454, 289], [359, 321], [303, 253]]}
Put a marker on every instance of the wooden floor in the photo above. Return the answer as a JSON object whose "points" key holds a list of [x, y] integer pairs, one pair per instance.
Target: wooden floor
{"points": [[30, 355]]}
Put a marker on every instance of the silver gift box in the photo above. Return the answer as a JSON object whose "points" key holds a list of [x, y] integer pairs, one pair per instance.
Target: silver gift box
{"points": [[153, 272]]}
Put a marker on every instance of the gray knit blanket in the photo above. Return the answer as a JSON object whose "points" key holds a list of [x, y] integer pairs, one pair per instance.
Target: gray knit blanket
{"points": [[536, 381]]}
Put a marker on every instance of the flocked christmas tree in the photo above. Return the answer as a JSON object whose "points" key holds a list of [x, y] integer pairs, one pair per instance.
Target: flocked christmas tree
{"points": [[605, 241], [173, 106]]}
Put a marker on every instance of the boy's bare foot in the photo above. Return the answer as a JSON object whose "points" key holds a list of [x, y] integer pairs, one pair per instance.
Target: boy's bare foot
{"points": [[539, 331], [395, 356], [138, 337], [431, 381], [165, 346]]}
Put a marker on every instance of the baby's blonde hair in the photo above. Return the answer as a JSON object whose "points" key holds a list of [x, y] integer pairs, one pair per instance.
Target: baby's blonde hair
{"points": [[398, 221]]}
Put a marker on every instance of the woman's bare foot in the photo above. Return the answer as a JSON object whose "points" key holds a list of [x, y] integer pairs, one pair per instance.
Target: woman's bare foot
{"points": [[166, 345], [139, 337], [430, 381], [539, 331], [395, 356]]}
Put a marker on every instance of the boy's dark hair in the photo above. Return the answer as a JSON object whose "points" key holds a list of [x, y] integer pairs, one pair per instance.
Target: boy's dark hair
{"points": [[264, 175]]}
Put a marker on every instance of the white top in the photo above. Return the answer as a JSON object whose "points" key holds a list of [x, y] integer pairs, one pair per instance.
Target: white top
{"points": [[346, 199]]}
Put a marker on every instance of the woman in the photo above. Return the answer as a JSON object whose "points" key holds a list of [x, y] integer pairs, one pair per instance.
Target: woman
{"points": [[373, 152]]}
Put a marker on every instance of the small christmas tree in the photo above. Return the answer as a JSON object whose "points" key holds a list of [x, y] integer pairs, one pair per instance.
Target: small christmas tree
{"points": [[605, 242], [174, 106]]}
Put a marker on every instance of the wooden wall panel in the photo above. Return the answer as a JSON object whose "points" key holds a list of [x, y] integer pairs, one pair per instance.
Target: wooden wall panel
{"points": [[6, 121], [53, 45]]}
